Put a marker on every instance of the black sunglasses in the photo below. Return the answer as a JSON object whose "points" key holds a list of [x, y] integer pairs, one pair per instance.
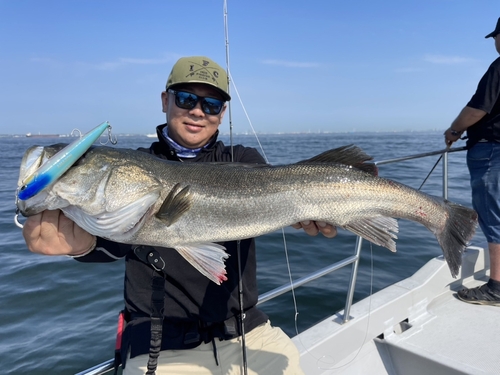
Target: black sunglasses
{"points": [[188, 100]]}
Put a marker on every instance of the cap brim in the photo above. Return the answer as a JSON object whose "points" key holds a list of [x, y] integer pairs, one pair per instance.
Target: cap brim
{"points": [[494, 33]]}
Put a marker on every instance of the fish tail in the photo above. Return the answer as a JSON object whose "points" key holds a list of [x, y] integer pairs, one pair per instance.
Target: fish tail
{"points": [[456, 234]]}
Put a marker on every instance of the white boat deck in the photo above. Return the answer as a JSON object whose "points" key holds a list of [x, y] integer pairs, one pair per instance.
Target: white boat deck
{"points": [[416, 326]]}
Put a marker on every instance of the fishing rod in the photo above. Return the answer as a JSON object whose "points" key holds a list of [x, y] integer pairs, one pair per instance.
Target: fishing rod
{"points": [[228, 73], [238, 243], [292, 284]]}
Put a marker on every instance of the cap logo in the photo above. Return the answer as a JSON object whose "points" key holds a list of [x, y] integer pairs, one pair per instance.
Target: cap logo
{"points": [[203, 72]]}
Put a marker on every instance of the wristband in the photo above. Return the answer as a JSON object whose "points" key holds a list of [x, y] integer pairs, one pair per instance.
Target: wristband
{"points": [[455, 133]]}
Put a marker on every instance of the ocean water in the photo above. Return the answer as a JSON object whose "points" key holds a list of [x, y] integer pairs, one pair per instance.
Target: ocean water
{"points": [[58, 316]]}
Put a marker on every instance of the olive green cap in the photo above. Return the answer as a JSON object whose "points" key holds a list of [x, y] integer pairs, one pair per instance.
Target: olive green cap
{"points": [[199, 69]]}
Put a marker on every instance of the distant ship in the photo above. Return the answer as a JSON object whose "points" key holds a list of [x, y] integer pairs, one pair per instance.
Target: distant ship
{"points": [[42, 135]]}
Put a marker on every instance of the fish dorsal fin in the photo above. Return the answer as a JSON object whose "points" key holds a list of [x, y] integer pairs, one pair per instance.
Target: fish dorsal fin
{"points": [[176, 204], [380, 230], [348, 155]]}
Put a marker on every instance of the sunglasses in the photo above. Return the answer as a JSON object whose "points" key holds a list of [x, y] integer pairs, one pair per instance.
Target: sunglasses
{"points": [[188, 100]]}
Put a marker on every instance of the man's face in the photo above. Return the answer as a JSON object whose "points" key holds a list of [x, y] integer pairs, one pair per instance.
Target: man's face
{"points": [[497, 42], [191, 128]]}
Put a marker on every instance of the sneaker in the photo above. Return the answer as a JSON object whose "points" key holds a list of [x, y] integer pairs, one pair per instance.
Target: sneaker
{"points": [[481, 295]]}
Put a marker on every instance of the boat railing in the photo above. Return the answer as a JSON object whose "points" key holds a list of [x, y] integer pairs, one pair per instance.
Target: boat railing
{"points": [[351, 260]]}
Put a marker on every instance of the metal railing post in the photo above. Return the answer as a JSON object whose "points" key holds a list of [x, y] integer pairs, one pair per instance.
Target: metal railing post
{"points": [[445, 175], [352, 282]]}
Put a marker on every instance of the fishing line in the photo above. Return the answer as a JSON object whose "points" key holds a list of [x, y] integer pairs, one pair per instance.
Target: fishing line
{"points": [[294, 298], [248, 119], [287, 259], [231, 82], [432, 170], [291, 280]]}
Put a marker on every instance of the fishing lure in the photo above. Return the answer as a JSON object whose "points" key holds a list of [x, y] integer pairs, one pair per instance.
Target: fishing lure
{"points": [[57, 165]]}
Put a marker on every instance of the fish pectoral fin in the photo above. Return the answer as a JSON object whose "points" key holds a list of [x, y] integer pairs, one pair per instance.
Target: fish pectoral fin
{"points": [[380, 230], [208, 258], [176, 204]]}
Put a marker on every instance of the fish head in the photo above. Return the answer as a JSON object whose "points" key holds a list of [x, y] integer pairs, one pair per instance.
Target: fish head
{"points": [[107, 191], [49, 172], [34, 158]]}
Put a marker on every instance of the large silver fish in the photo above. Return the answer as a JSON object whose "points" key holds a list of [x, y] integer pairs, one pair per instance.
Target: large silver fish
{"points": [[133, 197]]}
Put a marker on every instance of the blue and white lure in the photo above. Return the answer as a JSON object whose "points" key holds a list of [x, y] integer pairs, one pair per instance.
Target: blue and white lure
{"points": [[57, 165]]}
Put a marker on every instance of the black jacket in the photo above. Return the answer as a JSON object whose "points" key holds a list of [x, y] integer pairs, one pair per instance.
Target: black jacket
{"points": [[195, 309]]}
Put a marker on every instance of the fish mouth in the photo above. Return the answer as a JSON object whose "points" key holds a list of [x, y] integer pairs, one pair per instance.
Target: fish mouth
{"points": [[32, 206]]}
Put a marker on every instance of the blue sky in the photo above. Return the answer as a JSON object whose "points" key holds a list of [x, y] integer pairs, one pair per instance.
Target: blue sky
{"points": [[327, 65]]}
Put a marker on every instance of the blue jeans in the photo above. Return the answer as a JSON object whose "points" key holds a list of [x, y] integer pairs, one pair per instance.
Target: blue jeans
{"points": [[483, 161]]}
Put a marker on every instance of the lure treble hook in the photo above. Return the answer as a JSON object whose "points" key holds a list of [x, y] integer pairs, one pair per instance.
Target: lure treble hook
{"points": [[16, 220], [112, 140]]}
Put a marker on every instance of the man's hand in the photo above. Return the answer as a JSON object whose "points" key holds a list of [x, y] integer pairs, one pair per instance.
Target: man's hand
{"points": [[468, 116], [451, 136], [52, 233], [312, 228]]}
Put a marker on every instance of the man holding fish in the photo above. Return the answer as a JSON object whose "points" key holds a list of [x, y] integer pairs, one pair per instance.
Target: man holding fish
{"points": [[164, 217], [176, 320]]}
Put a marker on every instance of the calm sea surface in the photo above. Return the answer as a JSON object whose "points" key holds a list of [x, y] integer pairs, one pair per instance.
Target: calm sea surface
{"points": [[58, 316]]}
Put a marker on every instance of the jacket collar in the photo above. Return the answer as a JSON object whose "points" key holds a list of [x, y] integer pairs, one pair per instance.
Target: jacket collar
{"points": [[170, 153]]}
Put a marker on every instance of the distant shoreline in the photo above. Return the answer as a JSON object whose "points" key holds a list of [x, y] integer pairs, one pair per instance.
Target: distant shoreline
{"points": [[29, 135], [243, 133]]}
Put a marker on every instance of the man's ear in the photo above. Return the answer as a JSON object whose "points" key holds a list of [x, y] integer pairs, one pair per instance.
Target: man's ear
{"points": [[221, 114], [164, 101]]}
